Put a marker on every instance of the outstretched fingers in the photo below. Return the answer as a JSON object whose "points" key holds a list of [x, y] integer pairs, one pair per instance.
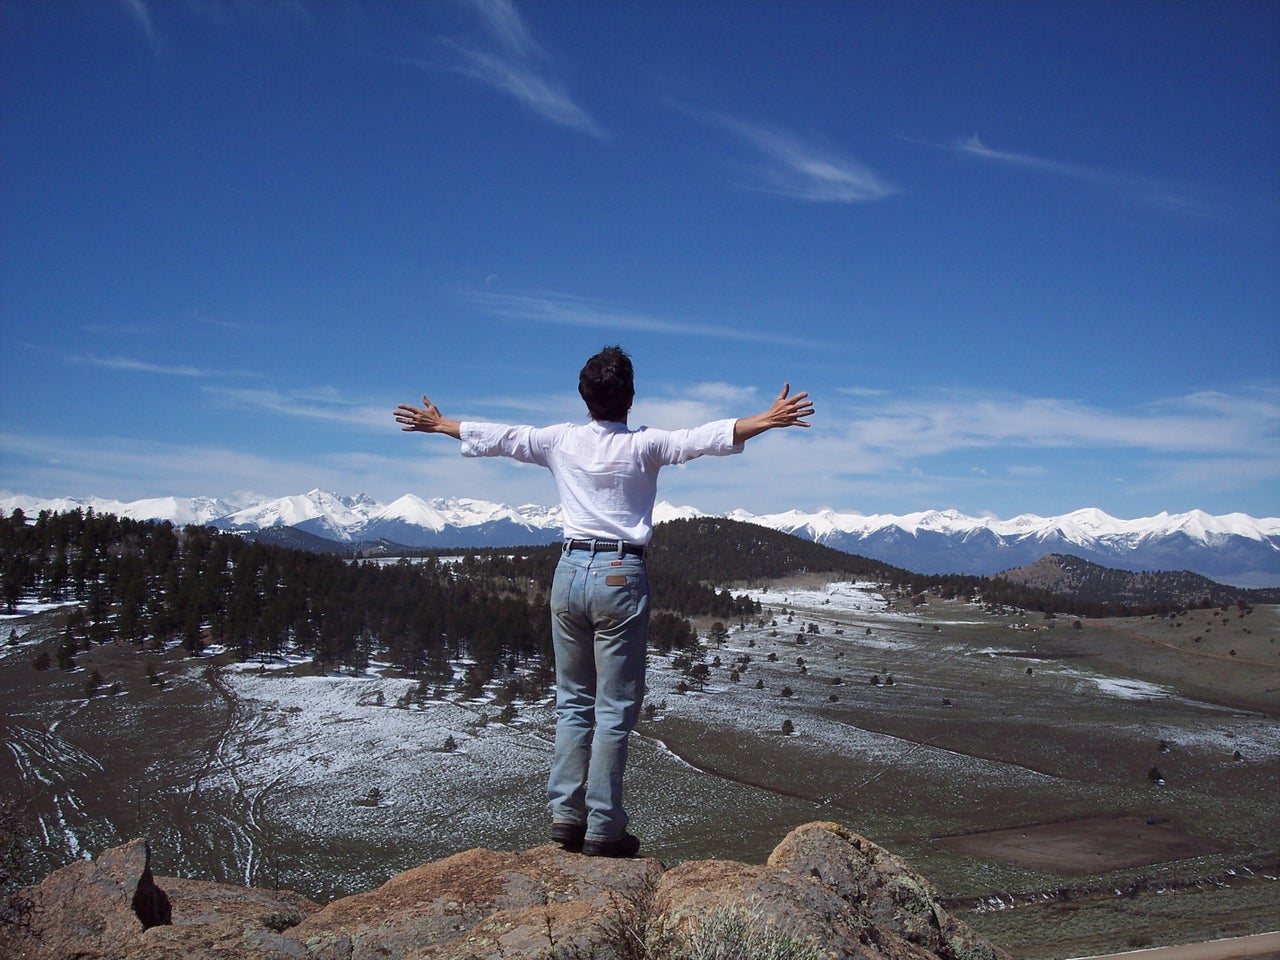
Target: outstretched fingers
{"points": [[413, 418], [791, 411]]}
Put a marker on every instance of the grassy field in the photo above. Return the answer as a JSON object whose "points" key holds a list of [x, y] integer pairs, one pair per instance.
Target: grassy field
{"points": [[1070, 789]]}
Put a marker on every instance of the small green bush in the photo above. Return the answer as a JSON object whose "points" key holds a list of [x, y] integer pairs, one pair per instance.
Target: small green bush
{"points": [[739, 932]]}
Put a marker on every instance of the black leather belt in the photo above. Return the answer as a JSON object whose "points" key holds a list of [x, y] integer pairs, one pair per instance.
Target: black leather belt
{"points": [[604, 546]]}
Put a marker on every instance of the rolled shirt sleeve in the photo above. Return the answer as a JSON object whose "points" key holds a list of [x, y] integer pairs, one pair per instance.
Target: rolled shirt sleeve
{"points": [[526, 444], [680, 446]]}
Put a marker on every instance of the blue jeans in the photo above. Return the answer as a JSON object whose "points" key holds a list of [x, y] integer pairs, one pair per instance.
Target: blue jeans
{"points": [[599, 629]]}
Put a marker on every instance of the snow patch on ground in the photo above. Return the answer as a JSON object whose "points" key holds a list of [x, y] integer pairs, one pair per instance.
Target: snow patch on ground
{"points": [[29, 608], [842, 597], [1129, 689], [317, 749]]}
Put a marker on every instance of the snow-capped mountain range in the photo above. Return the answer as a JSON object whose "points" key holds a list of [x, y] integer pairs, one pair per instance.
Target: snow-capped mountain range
{"points": [[1236, 549]]}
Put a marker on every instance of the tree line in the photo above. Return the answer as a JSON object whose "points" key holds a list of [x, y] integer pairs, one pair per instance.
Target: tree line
{"points": [[730, 551], [151, 582], [148, 582]]}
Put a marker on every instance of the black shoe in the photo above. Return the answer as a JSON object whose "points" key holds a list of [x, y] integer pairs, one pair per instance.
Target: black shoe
{"points": [[569, 835], [625, 846]]}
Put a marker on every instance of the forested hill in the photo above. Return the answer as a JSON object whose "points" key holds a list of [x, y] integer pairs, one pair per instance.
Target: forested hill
{"points": [[686, 556], [1088, 582], [722, 551], [730, 551], [144, 581]]}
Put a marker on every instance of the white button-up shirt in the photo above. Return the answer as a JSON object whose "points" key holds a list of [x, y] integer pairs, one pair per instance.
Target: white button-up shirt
{"points": [[606, 473]]}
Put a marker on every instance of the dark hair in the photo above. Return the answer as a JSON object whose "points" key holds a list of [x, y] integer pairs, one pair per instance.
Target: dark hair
{"points": [[607, 384]]}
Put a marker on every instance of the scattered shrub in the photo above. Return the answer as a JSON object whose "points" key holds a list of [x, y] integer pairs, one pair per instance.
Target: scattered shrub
{"points": [[16, 911], [734, 931]]}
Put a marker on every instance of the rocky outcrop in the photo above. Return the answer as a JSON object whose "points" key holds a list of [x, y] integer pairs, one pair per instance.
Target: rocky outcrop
{"points": [[824, 893]]}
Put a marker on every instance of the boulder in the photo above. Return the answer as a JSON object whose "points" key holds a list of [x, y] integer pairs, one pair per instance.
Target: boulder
{"points": [[825, 892], [112, 908], [87, 908], [478, 903], [892, 904]]}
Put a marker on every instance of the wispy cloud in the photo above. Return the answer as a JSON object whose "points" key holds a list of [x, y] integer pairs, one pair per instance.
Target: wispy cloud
{"points": [[564, 310], [508, 29], [323, 403], [974, 147], [895, 433], [898, 454], [720, 392], [221, 324], [1208, 473], [137, 365], [946, 449], [121, 330], [140, 13], [1150, 191], [800, 169], [659, 405], [514, 63], [127, 468], [143, 366], [1203, 425]]}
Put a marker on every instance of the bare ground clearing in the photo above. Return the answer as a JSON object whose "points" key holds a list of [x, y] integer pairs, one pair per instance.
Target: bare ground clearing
{"points": [[1087, 846], [1263, 946]]}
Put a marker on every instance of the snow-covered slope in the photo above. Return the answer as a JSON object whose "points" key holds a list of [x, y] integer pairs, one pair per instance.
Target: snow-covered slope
{"points": [[1235, 548], [177, 510], [459, 522], [319, 512]]}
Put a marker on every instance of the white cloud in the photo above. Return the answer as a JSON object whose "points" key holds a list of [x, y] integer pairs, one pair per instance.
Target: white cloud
{"points": [[1209, 475], [141, 15], [1202, 424], [539, 408], [719, 392], [517, 65], [1163, 196], [136, 365], [142, 366], [673, 413], [1027, 470], [564, 310], [321, 403], [802, 170], [125, 468], [974, 147], [915, 451], [879, 453], [122, 330], [508, 29]]}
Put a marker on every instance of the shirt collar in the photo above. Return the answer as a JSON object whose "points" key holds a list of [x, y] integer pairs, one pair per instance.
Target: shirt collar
{"points": [[609, 426]]}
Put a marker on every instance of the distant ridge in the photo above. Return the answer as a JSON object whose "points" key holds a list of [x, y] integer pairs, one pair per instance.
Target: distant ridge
{"points": [[1234, 549], [1067, 576]]}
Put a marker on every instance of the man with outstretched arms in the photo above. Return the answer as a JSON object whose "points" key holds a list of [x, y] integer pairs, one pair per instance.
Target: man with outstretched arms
{"points": [[607, 477]]}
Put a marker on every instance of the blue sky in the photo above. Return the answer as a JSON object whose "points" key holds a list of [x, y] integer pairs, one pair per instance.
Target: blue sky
{"points": [[1023, 255]]}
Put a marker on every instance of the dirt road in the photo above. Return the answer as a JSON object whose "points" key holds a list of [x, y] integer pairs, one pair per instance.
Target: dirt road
{"points": [[1262, 945]]}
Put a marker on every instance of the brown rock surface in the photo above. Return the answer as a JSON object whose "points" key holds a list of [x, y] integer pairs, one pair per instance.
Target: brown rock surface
{"points": [[891, 901], [85, 909], [508, 904], [824, 889]]}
